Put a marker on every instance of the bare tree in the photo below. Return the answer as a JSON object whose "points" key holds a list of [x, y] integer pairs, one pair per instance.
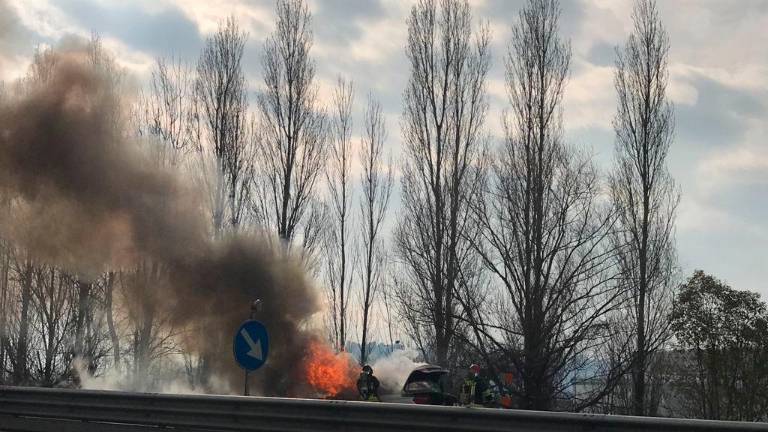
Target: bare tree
{"points": [[377, 189], [5, 292], [5, 269], [180, 112], [643, 191], [222, 134], [224, 142], [388, 314], [107, 280], [50, 319], [18, 332], [445, 108], [140, 298], [340, 264], [88, 344], [544, 229], [20, 347], [313, 234], [151, 335], [6, 298], [175, 114], [292, 151], [115, 78], [83, 316], [167, 111], [51, 296]]}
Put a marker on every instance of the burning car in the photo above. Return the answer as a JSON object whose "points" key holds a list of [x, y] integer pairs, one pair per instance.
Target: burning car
{"points": [[429, 385]]}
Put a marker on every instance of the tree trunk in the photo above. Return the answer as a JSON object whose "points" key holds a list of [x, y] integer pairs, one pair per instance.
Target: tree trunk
{"points": [[20, 370], [108, 300], [364, 341], [4, 299], [83, 310]]}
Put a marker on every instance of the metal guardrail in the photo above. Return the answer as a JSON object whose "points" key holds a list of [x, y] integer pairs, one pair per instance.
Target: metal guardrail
{"points": [[46, 410]]}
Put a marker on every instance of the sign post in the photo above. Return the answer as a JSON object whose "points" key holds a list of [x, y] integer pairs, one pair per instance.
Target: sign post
{"points": [[251, 344]]}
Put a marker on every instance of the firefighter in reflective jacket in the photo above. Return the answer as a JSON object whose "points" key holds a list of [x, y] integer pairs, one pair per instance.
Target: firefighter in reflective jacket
{"points": [[368, 385], [475, 390]]}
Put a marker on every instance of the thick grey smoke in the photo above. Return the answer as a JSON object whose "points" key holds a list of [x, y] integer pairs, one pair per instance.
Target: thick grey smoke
{"points": [[83, 197]]}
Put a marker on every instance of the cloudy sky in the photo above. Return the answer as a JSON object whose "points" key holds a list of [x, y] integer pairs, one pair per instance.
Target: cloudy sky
{"points": [[718, 83]]}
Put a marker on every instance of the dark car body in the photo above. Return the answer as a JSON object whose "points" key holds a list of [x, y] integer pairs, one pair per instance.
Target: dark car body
{"points": [[429, 385]]}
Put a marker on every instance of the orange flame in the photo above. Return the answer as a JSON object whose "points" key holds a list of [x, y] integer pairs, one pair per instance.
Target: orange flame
{"points": [[328, 373]]}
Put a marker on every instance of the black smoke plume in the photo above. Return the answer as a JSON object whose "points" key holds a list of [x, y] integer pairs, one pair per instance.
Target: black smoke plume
{"points": [[82, 196]]}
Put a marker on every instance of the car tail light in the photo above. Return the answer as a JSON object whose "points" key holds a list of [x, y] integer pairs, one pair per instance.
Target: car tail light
{"points": [[422, 399]]}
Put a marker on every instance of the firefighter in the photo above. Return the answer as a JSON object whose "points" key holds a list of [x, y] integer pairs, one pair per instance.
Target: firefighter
{"points": [[505, 398], [368, 385], [475, 390]]}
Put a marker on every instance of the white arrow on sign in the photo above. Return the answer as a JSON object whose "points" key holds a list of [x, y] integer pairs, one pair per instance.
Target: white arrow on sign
{"points": [[255, 351]]}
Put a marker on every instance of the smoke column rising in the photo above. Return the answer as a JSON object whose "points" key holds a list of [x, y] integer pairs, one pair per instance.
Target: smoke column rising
{"points": [[85, 198], [394, 369]]}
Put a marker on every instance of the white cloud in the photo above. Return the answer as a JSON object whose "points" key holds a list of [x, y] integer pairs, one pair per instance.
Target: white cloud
{"points": [[135, 61], [45, 19], [695, 215], [590, 99], [753, 77], [256, 18], [718, 35], [380, 40], [732, 168], [680, 90], [604, 21]]}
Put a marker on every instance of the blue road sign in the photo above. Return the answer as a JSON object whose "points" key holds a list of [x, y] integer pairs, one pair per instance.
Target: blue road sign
{"points": [[251, 345]]}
